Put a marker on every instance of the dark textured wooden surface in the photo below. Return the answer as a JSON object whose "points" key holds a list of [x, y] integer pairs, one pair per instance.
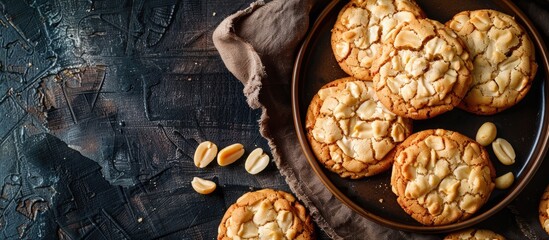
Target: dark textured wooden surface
{"points": [[102, 104]]}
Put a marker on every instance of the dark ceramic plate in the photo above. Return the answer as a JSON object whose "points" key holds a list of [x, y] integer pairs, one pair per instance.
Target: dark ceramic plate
{"points": [[524, 125]]}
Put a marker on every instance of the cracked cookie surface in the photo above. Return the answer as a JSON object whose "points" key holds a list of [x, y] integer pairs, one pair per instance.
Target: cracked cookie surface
{"points": [[361, 28], [266, 214], [425, 72], [350, 131], [503, 59], [474, 234], [441, 177], [544, 210]]}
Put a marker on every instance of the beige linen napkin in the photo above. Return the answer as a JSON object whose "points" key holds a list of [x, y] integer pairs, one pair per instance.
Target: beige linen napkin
{"points": [[258, 45]]}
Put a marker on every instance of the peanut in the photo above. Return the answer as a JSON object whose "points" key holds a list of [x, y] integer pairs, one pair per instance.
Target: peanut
{"points": [[504, 181], [256, 161], [486, 133], [203, 186], [230, 154], [204, 154], [504, 151]]}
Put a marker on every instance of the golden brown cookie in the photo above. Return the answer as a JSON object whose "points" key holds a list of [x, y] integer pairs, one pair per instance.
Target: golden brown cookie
{"points": [[426, 70], [441, 176], [361, 28], [474, 234], [266, 214], [544, 210], [350, 132], [503, 59]]}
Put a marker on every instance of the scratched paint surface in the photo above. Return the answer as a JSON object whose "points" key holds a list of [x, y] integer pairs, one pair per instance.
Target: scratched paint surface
{"points": [[102, 103]]}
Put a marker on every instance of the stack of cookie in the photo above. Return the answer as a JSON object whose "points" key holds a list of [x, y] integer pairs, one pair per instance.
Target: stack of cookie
{"points": [[403, 67]]}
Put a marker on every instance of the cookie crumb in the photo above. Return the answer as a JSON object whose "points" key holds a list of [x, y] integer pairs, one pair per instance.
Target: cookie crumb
{"points": [[214, 13], [381, 200], [139, 220]]}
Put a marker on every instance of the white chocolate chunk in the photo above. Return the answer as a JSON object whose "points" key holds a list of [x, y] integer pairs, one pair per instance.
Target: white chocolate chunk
{"points": [[265, 213], [354, 17], [407, 39], [248, 230], [326, 130], [285, 220], [270, 231]]}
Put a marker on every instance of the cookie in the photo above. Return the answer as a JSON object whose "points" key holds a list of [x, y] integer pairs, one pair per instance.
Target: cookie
{"points": [[350, 132], [503, 59], [266, 214], [361, 28], [441, 177], [474, 234], [426, 70], [544, 210]]}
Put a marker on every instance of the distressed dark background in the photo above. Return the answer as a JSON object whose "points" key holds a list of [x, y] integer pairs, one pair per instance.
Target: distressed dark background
{"points": [[102, 103], [132, 87]]}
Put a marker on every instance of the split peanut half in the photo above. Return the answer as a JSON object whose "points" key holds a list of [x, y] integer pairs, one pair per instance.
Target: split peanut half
{"points": [[203, 186], [504, 151], [204, 154], [230, 154], [486, 133], [256, 161], [505, 181]]}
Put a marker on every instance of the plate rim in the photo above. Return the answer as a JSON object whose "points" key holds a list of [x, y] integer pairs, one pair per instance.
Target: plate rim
{"points": [[538, 154]]}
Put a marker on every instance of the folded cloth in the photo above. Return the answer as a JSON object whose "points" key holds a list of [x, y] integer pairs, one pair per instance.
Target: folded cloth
{"points": [[258, 45]]}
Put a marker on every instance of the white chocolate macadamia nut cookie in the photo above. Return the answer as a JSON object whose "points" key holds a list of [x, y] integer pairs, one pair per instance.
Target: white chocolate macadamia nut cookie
{"points": [[426, 70], [361, 28], [544, 210], [474, 234], [350, 131], [441, 176], [266, 214], [503, 59]]}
